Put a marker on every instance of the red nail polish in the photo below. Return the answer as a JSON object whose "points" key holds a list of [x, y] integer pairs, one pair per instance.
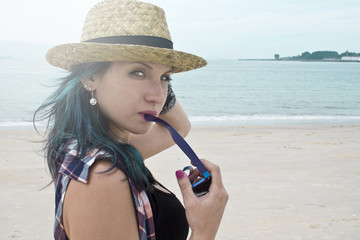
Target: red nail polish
{"points": [[179, 174]]}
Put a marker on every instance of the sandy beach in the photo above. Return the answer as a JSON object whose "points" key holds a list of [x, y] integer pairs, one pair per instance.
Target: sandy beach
{"points": [[286, 182]]}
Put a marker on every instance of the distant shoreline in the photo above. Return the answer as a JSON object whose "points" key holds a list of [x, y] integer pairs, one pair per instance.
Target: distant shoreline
{"points": [[295, 60]]}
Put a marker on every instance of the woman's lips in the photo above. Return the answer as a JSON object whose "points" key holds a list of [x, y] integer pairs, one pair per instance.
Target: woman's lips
{"points": [[154, 113]]}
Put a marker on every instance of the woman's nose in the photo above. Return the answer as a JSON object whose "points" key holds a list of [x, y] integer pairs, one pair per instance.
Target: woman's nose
{"points": [[156, 92]]}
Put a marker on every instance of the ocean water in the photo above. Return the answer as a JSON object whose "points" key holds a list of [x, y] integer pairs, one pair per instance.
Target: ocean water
{"points": [[225, 92]]}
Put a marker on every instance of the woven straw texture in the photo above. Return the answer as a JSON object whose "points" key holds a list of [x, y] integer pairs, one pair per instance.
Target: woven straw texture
{"points": [[118, 18], [123, 18]]}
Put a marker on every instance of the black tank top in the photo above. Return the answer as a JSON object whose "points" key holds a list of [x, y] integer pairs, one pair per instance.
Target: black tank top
{"points": [[169, 215]]}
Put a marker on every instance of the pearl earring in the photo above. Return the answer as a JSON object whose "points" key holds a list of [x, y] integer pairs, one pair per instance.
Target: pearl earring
{"points": [[93, 100]]}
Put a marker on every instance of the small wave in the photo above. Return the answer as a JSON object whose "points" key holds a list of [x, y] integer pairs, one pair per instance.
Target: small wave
{"points": [[227, 119], [273, 117], [10, 123], [19, 123]]}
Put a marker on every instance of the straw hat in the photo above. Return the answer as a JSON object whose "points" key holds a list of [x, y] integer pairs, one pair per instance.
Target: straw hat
{"points": [[124, 30]]}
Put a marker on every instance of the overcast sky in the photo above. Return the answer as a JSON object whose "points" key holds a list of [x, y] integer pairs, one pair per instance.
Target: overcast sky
{"points": [[228, 29]]}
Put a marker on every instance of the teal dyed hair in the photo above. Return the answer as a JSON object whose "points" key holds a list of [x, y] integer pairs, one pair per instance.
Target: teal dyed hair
{"points": [[70, 116]]}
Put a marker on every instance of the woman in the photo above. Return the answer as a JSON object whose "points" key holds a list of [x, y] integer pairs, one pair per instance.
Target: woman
{"points": [[98, 138]]}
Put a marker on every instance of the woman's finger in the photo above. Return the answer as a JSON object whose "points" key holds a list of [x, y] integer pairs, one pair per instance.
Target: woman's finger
{"points": [[185, 186], [194, 174]]}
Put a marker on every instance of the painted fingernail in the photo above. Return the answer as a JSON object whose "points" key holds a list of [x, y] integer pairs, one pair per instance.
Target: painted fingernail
{"points": [[179, 174]]}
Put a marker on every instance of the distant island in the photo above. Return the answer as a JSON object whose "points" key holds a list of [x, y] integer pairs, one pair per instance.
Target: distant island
{"points": [[317, 56], [329, 56]]}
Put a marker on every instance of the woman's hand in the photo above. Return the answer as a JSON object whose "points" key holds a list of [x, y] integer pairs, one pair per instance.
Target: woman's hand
{"points": [[204, 213]]}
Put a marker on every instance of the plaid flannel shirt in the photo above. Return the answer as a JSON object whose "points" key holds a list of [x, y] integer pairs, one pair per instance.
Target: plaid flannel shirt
{"points": [[78, 169]]}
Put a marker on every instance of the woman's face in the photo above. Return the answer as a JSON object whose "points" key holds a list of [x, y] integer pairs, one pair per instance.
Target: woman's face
{"points": [[127, 90]]}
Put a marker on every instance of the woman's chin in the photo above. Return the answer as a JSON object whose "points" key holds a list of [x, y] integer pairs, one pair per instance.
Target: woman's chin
{"points": [[144, 129], [140, 129]]}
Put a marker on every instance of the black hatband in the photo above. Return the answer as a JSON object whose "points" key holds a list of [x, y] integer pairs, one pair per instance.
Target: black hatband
{"points": [[150, 41]]}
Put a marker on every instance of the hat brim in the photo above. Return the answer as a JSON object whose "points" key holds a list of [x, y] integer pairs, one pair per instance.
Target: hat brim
{"points": [[68, 55]]}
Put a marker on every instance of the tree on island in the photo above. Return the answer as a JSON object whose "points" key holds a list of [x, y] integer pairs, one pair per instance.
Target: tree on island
{"points": [[277, 56], [318, 55], [305, 55], [349, 54]]}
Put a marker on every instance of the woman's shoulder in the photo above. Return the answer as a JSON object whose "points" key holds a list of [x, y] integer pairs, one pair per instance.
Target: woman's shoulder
{"points": [[103, 170], [77, 166], [106, 196], [103, 179]]}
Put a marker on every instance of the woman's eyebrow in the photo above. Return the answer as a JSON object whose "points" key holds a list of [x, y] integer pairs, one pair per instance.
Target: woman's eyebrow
{"points": [[151, 68], [145, 65], [170, 71]]}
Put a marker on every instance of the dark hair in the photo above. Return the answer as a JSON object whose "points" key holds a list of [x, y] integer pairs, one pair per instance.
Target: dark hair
{"points": [[71, 117]]}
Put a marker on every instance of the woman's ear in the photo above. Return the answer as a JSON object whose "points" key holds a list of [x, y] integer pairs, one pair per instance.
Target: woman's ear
{"points": [[88, 83]]}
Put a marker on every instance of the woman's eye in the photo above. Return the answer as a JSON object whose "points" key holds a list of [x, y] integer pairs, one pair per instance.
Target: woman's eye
{"points": [[138, 73], [166, 78]]}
